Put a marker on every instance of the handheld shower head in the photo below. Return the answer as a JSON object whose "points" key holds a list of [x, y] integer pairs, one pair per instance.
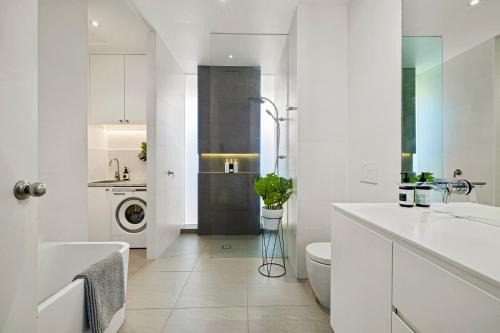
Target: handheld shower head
{"points": [[274, 118]]}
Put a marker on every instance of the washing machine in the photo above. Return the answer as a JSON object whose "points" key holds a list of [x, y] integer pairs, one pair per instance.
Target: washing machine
{"points": [[128, 216]]}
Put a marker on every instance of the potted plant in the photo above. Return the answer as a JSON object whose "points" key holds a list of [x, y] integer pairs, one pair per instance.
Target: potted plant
{"points": [[143, 155], [275, 192]]}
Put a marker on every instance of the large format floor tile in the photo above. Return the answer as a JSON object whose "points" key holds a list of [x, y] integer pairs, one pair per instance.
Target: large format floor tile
{"points": [[196, 286], [290, 319], [208, 320], [214, 289], [155, 289], [145, 321], [285, 290], [178, 263]]}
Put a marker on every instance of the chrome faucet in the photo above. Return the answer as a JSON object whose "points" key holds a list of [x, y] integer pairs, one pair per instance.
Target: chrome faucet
{"points": [[117, 172], [455, 186]]}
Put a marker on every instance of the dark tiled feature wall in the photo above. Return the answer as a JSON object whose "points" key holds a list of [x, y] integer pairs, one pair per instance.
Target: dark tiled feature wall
{"points": [[228, 123], [408, 120]]}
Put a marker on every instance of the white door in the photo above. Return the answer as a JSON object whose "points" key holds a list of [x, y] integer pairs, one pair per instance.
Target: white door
{"points": [[18, 160], [106, 89], [135, 89]]}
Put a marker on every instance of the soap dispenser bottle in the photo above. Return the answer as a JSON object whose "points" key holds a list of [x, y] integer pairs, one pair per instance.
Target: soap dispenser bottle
{"points": [[126, 174], [226, 166], [231, 166], [235, 166], [406, 192], [423, 192]]}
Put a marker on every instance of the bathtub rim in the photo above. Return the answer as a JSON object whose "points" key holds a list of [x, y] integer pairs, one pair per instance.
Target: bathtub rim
{"points": [[51, 299]]}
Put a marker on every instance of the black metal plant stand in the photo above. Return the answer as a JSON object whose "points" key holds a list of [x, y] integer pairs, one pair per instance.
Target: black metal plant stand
{"points": [[268, 248]]}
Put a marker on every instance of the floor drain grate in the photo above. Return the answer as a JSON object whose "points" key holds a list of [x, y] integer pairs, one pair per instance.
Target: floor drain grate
{"points": [[226, 246]]}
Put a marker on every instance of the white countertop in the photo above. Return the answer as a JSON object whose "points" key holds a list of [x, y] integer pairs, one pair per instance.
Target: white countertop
{"points": [[466, 234]]}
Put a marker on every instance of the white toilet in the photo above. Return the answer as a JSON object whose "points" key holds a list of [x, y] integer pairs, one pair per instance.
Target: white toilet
{"points": [[318, 265]]}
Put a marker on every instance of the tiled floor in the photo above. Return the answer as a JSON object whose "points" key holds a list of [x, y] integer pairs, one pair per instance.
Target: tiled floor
{"points": [[197, 287]]}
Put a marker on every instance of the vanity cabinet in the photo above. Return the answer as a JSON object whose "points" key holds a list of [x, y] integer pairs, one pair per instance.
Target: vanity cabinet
{"points": [[433, 300], [361, 283], [117, 89], [382, 283]]}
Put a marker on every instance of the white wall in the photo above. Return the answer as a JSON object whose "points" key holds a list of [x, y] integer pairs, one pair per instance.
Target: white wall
{"points": [[97, 153], [122, 143], [374, 97], [62, 119], [469, 121], [429, 116], [289, 63], [317, 134], [166, 147], [267, 127], [191, 140], [497, 121]]}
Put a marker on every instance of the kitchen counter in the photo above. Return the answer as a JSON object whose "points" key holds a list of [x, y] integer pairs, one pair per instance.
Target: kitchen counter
{"points": [[465, 234], [114, 183]]}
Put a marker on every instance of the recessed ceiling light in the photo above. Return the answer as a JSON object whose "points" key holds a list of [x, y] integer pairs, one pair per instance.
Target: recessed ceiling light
{"points": [[474, 2], [230, 56], [94, 23]]}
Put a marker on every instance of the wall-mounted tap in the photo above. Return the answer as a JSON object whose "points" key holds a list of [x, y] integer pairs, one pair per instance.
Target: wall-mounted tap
{"points": [[117, 172], [455, 186]]}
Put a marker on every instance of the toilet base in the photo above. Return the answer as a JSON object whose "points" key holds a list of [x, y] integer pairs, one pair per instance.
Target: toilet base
{"points": [[319, 278]]}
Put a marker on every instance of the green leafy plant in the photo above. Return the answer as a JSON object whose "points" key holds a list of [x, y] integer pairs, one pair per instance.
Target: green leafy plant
{"points": [[425, 177], [143, 155], [274, 190]]}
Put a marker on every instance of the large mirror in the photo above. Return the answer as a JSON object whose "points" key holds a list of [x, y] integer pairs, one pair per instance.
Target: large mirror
{"points": [[451, 92]]}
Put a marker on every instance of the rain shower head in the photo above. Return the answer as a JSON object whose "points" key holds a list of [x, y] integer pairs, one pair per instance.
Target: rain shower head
{"points": [[257, 99]]}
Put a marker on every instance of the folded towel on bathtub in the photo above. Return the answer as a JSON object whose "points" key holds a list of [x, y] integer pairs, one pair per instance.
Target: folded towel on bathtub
{"points": [[104, 290]]}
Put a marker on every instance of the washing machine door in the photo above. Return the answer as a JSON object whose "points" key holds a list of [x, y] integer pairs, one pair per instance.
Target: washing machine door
{"points": [[130, 215]]}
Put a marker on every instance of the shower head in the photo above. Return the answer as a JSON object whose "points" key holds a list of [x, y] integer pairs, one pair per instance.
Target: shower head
{"points": [[256, 99], [262, 100], [274, 118]]}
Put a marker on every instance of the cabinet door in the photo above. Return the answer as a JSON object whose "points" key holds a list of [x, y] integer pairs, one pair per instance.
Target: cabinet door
{"points": [[99, 213], [135, 89], [361, 278], [106, 89], [434, 300]]}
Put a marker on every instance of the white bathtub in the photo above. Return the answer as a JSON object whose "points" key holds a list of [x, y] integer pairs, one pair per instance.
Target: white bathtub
{"points": [[61, 302]]}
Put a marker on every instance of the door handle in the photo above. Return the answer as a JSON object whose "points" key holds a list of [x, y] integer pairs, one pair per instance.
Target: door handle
{"points": [[24, 189], [171, 173]]}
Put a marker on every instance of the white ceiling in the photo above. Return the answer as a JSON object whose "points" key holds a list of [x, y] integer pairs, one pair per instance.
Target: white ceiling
{"points": [[120, 30], [461, 25], [186, 25], [422, 53], [247, 50]]}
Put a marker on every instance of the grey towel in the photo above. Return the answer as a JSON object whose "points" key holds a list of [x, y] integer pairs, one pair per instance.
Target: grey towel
{"points": [[104, 290]]}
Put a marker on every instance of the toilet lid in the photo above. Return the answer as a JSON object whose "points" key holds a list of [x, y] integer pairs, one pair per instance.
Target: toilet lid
{"points": [[320, 252]]}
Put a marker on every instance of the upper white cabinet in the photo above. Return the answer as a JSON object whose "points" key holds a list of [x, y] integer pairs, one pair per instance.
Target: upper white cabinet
{"points": [[106, 89], [117, 89], [135, 89]]}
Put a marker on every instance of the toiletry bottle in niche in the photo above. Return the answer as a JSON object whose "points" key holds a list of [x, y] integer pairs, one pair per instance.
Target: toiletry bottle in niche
{"points": [[236, 166], [226, 166], [406, 192], [126, 175], [231, 166], [423, 192]]}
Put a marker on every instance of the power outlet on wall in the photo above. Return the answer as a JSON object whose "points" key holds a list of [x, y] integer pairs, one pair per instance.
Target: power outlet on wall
{"points": [[369, 172]]}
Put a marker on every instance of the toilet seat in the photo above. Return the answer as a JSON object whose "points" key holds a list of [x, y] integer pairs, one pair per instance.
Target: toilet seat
{"points": [[320, 252]]}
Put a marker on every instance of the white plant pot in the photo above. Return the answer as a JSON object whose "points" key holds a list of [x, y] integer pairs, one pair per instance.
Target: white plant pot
{"points": [[271, 218]]}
